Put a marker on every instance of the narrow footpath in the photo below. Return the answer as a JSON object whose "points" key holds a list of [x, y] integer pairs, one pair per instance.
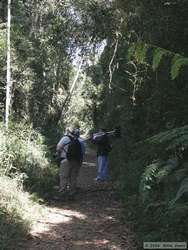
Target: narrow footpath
{"points": [[92, 221]]}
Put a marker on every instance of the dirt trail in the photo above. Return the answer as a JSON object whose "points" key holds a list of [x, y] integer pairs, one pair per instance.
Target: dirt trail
{"points": [[92, 221]]}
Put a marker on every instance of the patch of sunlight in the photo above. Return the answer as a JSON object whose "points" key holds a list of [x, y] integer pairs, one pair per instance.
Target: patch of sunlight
{"points": [[54, 217], [39, 228], [74, 214], [114, 247], [110, 218], [98, 243], [89, 164], [50, 219]]}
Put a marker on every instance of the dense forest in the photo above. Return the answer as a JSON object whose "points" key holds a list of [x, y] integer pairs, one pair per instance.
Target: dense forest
{"points": [[96, 63]]}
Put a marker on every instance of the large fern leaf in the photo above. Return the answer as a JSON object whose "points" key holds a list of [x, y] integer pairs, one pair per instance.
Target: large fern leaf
{"points": [[158, 54], [172, 138], [131, 51], [166, 169], [181, 191], [140, 52], [147, 180], [178, 62]]}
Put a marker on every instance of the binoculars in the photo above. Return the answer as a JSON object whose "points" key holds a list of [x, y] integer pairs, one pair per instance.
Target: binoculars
{"points": [[116, 133]]}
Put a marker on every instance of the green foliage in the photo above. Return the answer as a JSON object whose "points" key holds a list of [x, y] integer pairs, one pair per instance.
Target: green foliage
{"points": [[131, 51], [158, 54], [148, 180], [182, 191], [178, 62], [48, 37], [2, 42], [18, 212], [163, 186], [164, 145], [166, 170], [23, 152], [2, 68], [173, 139], [168, 222], [138, 51], [152, 106]]}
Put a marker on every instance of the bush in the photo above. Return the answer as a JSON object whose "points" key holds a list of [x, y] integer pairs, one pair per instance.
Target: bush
{"points": [[18, 212], [22, 151], [155, 182]]}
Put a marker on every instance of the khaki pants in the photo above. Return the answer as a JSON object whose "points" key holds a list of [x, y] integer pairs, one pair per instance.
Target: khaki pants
{"points": [[69, 171]]}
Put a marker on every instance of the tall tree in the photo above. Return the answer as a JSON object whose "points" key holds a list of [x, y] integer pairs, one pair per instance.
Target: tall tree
{"points": [[9, 83]]}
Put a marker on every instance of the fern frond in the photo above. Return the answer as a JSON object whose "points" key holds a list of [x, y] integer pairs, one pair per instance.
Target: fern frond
{"points": [[2, 40], [147, 180], [131, 51], [180, 174], [172, 138], [181, 191], [166, 170], [178, 62], [158, 54], [140, 52]]}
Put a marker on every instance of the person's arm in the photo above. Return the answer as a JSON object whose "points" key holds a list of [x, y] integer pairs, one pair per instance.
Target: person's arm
{"points": [[99, 138], [62, 143]]}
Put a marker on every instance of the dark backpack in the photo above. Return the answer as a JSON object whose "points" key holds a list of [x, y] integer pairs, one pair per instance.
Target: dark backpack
{"points": [[108, 148], [74, 151]]}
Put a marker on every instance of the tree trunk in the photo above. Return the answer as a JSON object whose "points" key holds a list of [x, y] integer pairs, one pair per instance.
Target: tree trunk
{"points": [[67, 99], [9, 83]]}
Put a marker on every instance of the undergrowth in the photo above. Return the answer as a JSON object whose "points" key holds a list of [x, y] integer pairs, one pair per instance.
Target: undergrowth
{"points": [[154, 186], [27, 172], [18, 211], [23, 152]]}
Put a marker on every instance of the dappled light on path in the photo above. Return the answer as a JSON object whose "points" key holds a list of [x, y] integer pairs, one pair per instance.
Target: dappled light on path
{"points": [[92, 221], [54, 216]]}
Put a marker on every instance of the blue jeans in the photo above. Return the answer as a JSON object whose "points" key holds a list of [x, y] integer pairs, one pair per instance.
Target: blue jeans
{"points": [[102, 163]]}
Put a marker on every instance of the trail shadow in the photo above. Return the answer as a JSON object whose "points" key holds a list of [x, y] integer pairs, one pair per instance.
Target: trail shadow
{"points": [[12, 229], [93, 223]]}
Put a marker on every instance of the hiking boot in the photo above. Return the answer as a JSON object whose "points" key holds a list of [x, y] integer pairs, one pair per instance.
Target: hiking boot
{"points": [[98, 180]]}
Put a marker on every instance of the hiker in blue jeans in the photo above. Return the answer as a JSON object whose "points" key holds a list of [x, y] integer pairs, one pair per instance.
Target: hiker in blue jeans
{"points": [[103, 149]]}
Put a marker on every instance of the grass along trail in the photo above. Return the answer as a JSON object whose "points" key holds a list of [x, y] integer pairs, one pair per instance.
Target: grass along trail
{"points": [[93, 220]]}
